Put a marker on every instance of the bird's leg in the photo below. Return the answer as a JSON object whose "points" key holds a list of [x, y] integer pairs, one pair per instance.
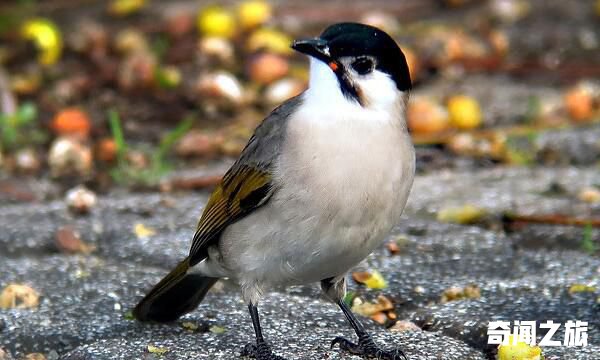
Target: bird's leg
{"points": [[335, 289], [260, 351]]}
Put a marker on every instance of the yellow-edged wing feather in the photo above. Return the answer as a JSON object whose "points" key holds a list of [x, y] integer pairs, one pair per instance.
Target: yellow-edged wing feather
{"points": [[248, 184], [242, 190], [245, 187]]}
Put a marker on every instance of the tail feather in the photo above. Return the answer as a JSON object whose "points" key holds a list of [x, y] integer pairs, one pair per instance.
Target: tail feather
{"points": [[176, 294]]}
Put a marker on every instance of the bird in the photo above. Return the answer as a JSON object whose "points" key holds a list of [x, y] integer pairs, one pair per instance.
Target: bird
{"points": [[317, 188]]}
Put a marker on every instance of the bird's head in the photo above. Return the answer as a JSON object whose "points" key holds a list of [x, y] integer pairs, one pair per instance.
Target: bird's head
{"points": [[358, 62]]}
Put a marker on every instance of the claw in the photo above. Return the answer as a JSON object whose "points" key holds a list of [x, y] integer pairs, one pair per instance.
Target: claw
{"points": [[249, 350], [262, 351], [346, 345], [367, 348]]}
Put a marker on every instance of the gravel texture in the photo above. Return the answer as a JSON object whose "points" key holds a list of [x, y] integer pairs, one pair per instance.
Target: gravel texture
{"points": [[85, 298]]}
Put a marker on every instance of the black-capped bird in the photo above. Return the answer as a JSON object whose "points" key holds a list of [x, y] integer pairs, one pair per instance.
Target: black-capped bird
{"points": [[319, 185]]}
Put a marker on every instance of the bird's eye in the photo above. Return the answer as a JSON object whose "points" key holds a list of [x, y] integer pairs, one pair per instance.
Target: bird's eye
{"points": [[362, 65]]}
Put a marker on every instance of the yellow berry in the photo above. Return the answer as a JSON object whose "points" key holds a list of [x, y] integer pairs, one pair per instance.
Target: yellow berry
{"points": [[46, 36], [269, 40], [518, 351], [426, 116], [254, 13], [125, 7], [464, 112], [216, 21], [466, 214]]}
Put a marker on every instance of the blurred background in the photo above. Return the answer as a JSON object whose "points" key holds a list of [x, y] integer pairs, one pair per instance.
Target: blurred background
{"points": [[118, 117], [122, 92]]}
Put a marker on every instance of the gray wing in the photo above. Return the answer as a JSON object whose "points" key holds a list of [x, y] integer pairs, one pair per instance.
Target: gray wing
{"points": [[248, 184]]}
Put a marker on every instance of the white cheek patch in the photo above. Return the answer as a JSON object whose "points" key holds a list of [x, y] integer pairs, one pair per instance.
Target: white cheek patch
{"points": [[379, 90]]}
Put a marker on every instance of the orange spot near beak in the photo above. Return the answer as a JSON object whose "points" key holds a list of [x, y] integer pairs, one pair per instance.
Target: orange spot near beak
{"points": [[334, 66]]}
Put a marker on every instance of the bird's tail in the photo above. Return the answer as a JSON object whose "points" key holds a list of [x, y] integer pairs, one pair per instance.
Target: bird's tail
{"points": [[176, 294]]}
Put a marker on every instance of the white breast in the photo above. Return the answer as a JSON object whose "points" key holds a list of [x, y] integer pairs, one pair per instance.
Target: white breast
{"points": [[342, 182], [352, 174]]}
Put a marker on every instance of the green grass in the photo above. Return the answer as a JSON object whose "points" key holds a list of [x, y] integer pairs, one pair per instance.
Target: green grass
{"points": [[114, 121], [534, 108], [124, 173], [521, 149], [20, 129], [587, 243]]}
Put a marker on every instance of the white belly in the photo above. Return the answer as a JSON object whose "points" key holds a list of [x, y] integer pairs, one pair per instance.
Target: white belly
{"points": [[341, 190]]}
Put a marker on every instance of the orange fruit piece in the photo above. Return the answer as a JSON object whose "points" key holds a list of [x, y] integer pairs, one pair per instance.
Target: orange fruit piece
{"points": [[71, 121]]}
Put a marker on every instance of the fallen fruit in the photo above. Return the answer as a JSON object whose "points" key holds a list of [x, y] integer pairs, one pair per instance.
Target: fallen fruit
{"points": [[466, 214], [221, 85], [217, 48], [579, 103], [130, 40], [379, 318], [215, 329], [265, 68], [464, 112], [283, 89], [199, 143], [106, 149], [71, 121], [35, 356], [167, 77], [192, 326], [80, 199], [216, 21], [589, 195], [69, 156], [404, 325], [142, 231], [158, 350], [18, 296], [254, 13], [370, 308], [458, 293], [5, 355], [393, 247], [125, 7], [269, 40], [581, 288], [68, 240], [46, 36], [425, 116], [372, 279], [27, 161], [518, 351]]}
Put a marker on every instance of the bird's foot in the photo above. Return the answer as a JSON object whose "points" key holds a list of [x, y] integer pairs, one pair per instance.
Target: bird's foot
{"points": [[260, 351], [367, 348]]}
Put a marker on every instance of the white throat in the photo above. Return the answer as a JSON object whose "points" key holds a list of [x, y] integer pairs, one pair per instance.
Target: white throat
{"points": [[378, 89]]}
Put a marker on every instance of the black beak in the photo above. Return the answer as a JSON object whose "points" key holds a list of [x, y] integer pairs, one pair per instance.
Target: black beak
{"points": [[316, 48]]}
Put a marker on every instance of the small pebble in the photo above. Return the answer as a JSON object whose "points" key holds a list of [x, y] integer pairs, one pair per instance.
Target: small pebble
{"points": [[69, 156], [19, 296], [80, 199], [27, 161], [283, 89], [403, 325], [589, 195], [221, 85]]}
